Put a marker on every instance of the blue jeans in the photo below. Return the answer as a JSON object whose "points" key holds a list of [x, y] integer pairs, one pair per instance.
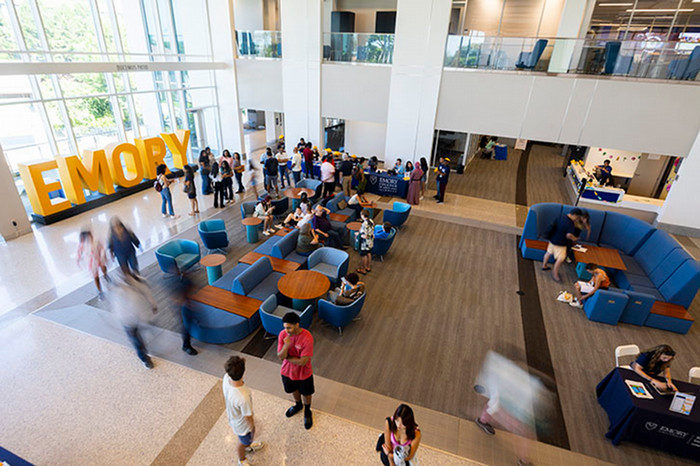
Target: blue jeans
{"points": [[297, 177], [137, 342], [167, 200], [284, 173], [206, 182]]}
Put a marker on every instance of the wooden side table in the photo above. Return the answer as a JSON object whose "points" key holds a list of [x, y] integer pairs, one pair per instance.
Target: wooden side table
{"points": [[295, 195], [213, 264], [353, 228], [304, 287], [369, 206], [251, 228]]}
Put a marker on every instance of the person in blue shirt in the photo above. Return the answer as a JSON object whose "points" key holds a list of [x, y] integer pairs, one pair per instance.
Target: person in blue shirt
{"points": [[562, 231], [382, 231], [604, 173], [443, 175], [653, 366], [398, 167]]}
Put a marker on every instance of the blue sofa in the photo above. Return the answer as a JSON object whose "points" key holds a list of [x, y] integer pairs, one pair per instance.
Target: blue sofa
{"points": [[658, 268], [316, 185], [212, 325], [333, 263], [332, 205], [340, 316], [213, 234], [398, 214], [282, 247], [381, 246], [177, 256], [271, 316], [258, 281]]}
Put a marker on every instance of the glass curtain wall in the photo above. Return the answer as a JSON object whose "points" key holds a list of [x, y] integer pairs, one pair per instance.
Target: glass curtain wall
{"points": [[45, 115], [506, 18]]}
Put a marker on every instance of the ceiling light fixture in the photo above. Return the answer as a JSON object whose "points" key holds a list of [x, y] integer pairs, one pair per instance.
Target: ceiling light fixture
{"points": [[618, 4], [659, 10]]}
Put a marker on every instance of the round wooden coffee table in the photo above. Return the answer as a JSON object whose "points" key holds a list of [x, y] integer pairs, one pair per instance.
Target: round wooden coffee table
{"points": [[213, 264], [251, 228], [353, 228], [295, 194], [304, 287]]}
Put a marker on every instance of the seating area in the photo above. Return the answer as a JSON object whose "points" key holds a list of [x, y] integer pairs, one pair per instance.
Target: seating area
{"points": [[398, 214], [660, 279], [178, 256]]}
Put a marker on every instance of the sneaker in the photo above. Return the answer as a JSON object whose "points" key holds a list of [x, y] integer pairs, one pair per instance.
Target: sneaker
{"points": [[440, 202], [189, 350], [279, 225], [148, 363], [165, 216], [485, 426], [266, 232], [255, 446], [174, 216], [308, 421], [576, 303], [293, 410], [568, 260]]}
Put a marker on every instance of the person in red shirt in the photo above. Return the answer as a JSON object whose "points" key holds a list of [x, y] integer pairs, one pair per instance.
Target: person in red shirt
{"points": [[309, 161], [295, 347]]}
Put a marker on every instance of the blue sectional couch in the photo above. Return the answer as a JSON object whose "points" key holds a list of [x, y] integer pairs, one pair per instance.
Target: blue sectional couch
{"points": [[282, 247], [257, 281], [658, 268], [332, 205]]}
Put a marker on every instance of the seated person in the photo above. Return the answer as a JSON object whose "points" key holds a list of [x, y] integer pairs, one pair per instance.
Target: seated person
{"points": [[398, 167], [308, 240], [599, 280], [604, 173], [653, 365], [349, 290], [323, 227], [304, 203], [382, 231], [355, 200], [292, 219], [373, 163], [263, 210]]}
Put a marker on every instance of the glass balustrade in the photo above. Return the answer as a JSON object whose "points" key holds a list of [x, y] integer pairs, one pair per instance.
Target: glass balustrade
{"points": [[259, 44], [676, 60], [358, 48]]}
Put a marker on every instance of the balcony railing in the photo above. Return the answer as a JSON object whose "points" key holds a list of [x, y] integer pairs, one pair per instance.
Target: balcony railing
{"points": [[358, 48], [259, 44], [639, 59]]}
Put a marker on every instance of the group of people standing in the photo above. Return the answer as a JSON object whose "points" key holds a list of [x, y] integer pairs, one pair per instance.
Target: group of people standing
{"points": [[218, 174]]}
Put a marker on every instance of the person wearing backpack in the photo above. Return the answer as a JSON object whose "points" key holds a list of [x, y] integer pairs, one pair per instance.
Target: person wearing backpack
{"points": [[190, 190], [165, 194]]}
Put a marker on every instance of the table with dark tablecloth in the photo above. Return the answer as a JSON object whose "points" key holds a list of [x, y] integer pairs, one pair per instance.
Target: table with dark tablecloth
{"points": [[384, 184], [649, 421]]}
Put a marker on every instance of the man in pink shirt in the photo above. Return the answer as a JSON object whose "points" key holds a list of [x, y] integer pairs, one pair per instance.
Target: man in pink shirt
{"points": [[328, 176], [295, 347]]}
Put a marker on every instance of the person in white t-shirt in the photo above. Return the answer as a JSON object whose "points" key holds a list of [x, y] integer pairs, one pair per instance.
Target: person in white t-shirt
{"points": [[296, 166], [328, 176], [239, 408]]}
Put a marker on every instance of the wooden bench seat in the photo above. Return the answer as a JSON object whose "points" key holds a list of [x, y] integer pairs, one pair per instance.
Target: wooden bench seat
{"points": [[536, 244], [338, 217], [240, 305], [671, 317]]}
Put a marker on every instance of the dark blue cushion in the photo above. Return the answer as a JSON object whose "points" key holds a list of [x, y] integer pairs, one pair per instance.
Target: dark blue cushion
{"points": [[247, 281], [286, 245], [682, 286], [624, 233], [648, 290], [226, 281], [267, 287], [653, 251], [211, 325], [266, 247], [668, 323], [296, 257], [605, 306], [669, 265], [640, 280], [632, 265], [547, 213]]}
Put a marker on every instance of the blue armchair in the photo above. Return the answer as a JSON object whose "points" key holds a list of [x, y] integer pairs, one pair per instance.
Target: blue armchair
{"points": [[316, 185], [340, 316], [528, 60], [333, 263], [685, 68], [177, 256], [247, 209], [381, 246], [271, 316], [281, 206], [398, 214], [612, 51], [213, 234]]}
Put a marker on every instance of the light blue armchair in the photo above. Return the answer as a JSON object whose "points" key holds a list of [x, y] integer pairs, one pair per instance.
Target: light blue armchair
{"points": [[316, 185], [340, 316], [528, 60], [178, 256], [333, 263], [381, 246], [247, 209], [213, 234], [271, 315], [398, 214]]}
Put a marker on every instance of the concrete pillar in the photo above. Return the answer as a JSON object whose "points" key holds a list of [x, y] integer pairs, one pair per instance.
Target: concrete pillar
{"points": [[224, 50], [679, 213], [11, 207], [271, 130], [573, 24], [416, 72], [301, 70], [248, 14]]}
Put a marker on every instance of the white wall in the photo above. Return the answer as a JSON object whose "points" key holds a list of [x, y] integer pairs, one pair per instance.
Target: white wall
{"points": [[260, 84], [654, 117], [365, 138], [682, 205], [355, 92], [248, 14]]}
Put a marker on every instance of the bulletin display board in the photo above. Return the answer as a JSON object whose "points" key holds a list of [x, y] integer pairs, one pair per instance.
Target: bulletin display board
{"points": [[624, 163]]}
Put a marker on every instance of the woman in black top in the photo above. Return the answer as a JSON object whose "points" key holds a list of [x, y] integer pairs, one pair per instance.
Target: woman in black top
{"points": [[653, 365], [424, 179], [191, 190], [204, 170]]}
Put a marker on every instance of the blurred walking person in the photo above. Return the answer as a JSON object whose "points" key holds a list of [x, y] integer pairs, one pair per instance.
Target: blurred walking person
{"points": [[92, 250], [181, 289], [122, 245]]}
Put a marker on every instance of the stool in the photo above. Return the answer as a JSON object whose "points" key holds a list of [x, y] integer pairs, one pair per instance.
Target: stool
{"points": [[582, 273], [251, 227], [213, 264]]}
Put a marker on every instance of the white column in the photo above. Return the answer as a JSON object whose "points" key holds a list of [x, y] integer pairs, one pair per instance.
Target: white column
{"points": [[271, 133], [11, 207], [301, 70], [679, 213], [222, 24], [416, 72], [573, 24]]}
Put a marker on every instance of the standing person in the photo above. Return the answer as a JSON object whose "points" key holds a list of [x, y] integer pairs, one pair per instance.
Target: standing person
{"points": [[92, 249], [122, 245], [180, 290], [238, 170], [359, 174], [296, 166], [308, 161], [295, 347], [563, 230], [301, 145], [366, 242], [263, 159], [328, 176], [210, 154], [226, 182], [263, 210], [132, 302], [218, 181], [598, 280], [414, 185], [424, 178], [398, 445], [443, 175], [654, 365], [239, 408], [165, 194], [346, 171], [582, 223], [191, 189], [253, 181], [271, 170], [282, 161], [204, 170]]}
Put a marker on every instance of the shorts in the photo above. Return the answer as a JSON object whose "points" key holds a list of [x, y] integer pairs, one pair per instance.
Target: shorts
{"points": [[364, 252], [192, 196], [559, 252], [272, 180], [304, 387], [246, 439], [585, 287]]}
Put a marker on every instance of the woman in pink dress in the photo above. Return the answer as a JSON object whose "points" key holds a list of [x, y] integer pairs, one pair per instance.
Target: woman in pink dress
{"points": [[92, 250], [414, 184]]}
